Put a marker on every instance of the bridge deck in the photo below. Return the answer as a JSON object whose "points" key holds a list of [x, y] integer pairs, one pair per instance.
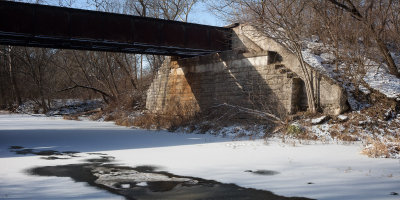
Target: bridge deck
{"points": [[23, 24]]}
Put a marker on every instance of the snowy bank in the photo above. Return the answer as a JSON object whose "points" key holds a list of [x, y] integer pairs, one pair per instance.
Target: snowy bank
{"points": [[377, 76]]}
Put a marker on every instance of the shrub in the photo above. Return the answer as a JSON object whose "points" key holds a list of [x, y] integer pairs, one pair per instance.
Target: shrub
{"points": [[381, 149], [295, 129], [376, 150]]}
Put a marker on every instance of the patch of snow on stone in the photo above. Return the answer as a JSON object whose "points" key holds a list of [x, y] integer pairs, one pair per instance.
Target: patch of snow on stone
{"points": [[342, 117], [353, 102], [328, 57], [379, 79], [315, 61], [364, 89], [142, 184], [319, 120]]}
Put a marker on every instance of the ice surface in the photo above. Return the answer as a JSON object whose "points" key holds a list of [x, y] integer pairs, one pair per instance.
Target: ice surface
{"points": [[337, 171]]}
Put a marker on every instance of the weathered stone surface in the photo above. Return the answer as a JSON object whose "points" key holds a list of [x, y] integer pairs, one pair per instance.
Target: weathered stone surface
{"points": [[247, 79], [331, 97], [261, 85]]}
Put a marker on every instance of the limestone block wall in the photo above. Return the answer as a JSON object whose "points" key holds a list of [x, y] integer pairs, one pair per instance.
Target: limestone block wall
{"points": [[258, 73], [330, 96], [244, 79], [170, 91]]}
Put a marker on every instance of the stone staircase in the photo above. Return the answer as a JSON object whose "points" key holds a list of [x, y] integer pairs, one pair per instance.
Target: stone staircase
{"points": [[284, 70]]}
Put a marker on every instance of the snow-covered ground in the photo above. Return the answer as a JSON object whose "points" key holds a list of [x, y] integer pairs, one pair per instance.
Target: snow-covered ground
{"points": [[321, 171], [377, 75]]}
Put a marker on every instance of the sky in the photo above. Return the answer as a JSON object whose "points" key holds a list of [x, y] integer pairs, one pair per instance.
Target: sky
{"points": [[199, 15]]}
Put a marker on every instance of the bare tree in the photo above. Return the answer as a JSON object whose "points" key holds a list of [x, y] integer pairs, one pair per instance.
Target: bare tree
{"points": [[34, 68], [374, 16], [4, 96], [116, 77], [13, 76]]}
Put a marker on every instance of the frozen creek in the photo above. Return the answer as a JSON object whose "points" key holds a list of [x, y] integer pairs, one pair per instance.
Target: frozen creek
{"points": [[51, 158]]}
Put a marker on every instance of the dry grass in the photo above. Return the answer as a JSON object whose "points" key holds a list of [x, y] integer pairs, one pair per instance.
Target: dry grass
{"points": [[297, 131], [2, 112], [377, 126], [120, 117], [174, 117], [71, 117], [120, 111], [211, 121], [157, 121], [96, 116], [92, 114], [343, 136], [379, 149], [110, 117], [128, 122]]}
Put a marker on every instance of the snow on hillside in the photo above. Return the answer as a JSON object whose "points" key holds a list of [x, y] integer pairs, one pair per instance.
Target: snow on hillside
{"points": [[321, 171], [379, 79], [377, 76]]}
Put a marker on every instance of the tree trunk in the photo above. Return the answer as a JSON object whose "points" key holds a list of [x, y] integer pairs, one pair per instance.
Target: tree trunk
{"points": [[310, 92], [141, 68], [3, 100], [44, 104], [386, 54], [370, 25], [127, 71], [12, 77]]}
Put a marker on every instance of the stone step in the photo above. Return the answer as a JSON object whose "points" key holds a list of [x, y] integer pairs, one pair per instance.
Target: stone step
{"points": [[279, 66], [284, 70], [291, 75]]}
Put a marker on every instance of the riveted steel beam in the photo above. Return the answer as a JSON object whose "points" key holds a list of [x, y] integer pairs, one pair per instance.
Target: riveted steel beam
{"points": [[34, 25]]}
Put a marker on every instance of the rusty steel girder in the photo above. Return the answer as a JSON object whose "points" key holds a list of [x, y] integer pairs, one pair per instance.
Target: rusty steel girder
{"points": [[23, 24]]}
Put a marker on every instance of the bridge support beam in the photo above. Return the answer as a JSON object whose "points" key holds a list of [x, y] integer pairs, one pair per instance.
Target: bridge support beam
{"points": [[36, 25]]}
